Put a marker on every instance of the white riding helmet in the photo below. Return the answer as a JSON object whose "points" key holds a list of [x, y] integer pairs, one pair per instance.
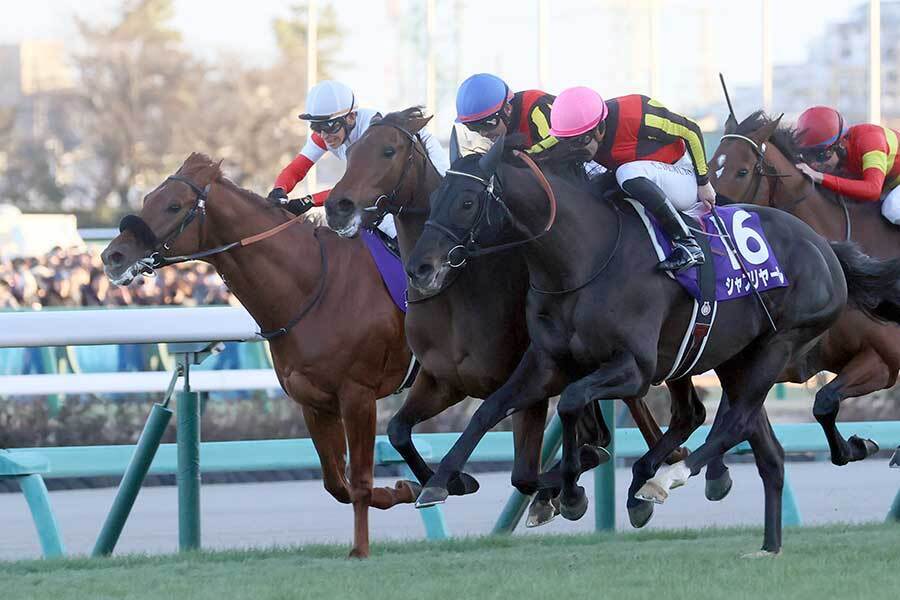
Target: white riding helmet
{"points": [[329, 100]]}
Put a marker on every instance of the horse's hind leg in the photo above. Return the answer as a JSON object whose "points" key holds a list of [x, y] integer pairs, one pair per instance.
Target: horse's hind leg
{"points": [[688, 414], [427, 397], [866, 372], [769, 456]]}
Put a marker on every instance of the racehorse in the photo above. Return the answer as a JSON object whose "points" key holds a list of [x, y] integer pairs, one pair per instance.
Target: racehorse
{"points": [[604, 324], [755, 163], [468, 338], [337, 338]]}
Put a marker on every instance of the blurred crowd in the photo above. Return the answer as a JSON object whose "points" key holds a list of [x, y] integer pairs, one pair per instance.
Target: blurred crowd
{"points": [[73, 278]]}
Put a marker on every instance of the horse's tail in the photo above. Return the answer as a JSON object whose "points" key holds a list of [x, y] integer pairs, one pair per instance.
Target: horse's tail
{"points": [[873, 284]]}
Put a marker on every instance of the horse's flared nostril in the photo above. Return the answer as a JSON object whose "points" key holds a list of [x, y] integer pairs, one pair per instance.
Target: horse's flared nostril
{"points": [[112, 259], [420, 271], [345, 207]]}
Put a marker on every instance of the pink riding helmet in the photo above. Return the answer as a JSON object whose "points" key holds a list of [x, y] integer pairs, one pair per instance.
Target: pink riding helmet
{"points": [[575, 111]]}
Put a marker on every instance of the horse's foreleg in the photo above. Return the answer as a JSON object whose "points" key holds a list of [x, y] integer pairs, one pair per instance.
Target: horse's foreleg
{"points": [[358, 411], [536, 378], [648, 426], [688, 414], [866, 372], [618, 378], [427, 398]]}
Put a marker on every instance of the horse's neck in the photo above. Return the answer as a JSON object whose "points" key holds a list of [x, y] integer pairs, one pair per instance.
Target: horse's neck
{"points": [[828, 218], [580, 238], [415, 196], [271, 277]]}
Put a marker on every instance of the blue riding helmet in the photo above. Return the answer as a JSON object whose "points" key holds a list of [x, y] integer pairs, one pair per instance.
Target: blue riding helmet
{"points": [[480, 96]]}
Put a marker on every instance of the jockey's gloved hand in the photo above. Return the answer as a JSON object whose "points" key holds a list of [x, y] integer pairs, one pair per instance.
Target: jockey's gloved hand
{"points": [[299, 205], [278, 197]]}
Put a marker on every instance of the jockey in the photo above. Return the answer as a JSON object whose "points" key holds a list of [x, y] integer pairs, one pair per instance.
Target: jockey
{"points": [[336, 123], [486, 106], [657, 155], [868, 153]]}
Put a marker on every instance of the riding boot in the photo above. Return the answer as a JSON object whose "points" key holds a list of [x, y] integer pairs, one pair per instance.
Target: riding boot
{"points": [[686, 252]]}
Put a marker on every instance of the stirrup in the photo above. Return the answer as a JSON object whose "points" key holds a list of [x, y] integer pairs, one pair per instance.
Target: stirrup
{"points": [[684, 256]]}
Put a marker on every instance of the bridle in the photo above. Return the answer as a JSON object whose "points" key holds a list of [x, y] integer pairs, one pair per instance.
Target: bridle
{"points": [[466, 245], [386, 204], [765, 169], [138, 227]]}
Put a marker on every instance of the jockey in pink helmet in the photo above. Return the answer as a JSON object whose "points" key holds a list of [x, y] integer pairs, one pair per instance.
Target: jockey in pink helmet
{"points": [[657, 156]]}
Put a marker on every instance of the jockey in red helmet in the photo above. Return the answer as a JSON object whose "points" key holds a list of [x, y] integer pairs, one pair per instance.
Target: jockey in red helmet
{"points": [[657, 155], [867, 153]]}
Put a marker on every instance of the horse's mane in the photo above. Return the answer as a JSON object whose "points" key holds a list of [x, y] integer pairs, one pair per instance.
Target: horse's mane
{"points": [[201, 166], [784, 138], [402, 118]]}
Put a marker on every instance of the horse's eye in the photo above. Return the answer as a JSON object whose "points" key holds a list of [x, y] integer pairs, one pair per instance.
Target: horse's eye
{"points": [[389, 151], [742, 172], [173, 208], [468, 204]]}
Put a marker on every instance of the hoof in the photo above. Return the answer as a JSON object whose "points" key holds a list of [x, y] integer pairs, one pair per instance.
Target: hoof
{"points": [[541, 512], [592, 457], [678, 456], [762, 554], [576, 509], [895, 460], [462, 484], [640, 514], [357, 553], [717, 489], [652, 492], [863, 447], [431, 496], [411, 487]]}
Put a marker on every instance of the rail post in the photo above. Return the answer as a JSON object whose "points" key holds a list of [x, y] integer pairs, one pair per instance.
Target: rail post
{"points": [[605, 475]]}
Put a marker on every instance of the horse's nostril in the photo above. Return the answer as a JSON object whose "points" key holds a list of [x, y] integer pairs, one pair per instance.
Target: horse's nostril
{"points": [[424, 270], [345, 206], [114, 259]]}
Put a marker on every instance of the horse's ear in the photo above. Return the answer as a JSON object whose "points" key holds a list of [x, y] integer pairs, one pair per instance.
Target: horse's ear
{"points": [[490, 161], [731, 124], [765, 132], [416, 125]]}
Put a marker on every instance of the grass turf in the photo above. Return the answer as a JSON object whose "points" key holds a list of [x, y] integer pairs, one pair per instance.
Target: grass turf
{"points": [[818, 563]]}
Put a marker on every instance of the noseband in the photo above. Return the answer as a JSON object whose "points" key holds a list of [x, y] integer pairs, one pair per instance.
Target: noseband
{"points": [[139, 228], [386, 204], [762, 169], [466, 245]]}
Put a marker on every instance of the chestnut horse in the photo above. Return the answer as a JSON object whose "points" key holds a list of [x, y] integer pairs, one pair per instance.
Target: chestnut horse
{"points": [[754, 163], [344, 343], [470, 337]]}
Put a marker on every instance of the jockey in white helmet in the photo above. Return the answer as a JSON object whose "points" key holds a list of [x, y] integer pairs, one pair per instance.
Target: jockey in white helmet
{"points": [[336, 123]]}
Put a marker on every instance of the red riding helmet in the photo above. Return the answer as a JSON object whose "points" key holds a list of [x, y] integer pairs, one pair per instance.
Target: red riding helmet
{"points": [[819, 127]]}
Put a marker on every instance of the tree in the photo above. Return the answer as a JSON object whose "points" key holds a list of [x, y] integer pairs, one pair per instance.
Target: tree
{"points": [[248, 115], [139, 90]]}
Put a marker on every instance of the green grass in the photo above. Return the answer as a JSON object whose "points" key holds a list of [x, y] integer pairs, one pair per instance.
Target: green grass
{"points": [[826, 562]]}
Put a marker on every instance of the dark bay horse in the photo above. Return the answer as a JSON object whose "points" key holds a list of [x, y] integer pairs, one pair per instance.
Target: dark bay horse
{"points": [[755, 163], [604, 324], [347, 349], [470, 337]]}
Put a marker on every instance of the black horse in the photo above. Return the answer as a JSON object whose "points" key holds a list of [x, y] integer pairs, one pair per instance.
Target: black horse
{"points": [[604, 324]]}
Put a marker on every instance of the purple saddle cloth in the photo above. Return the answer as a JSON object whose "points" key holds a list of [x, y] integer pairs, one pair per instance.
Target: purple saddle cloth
{"points": [[747, 235], [390, 267]]}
